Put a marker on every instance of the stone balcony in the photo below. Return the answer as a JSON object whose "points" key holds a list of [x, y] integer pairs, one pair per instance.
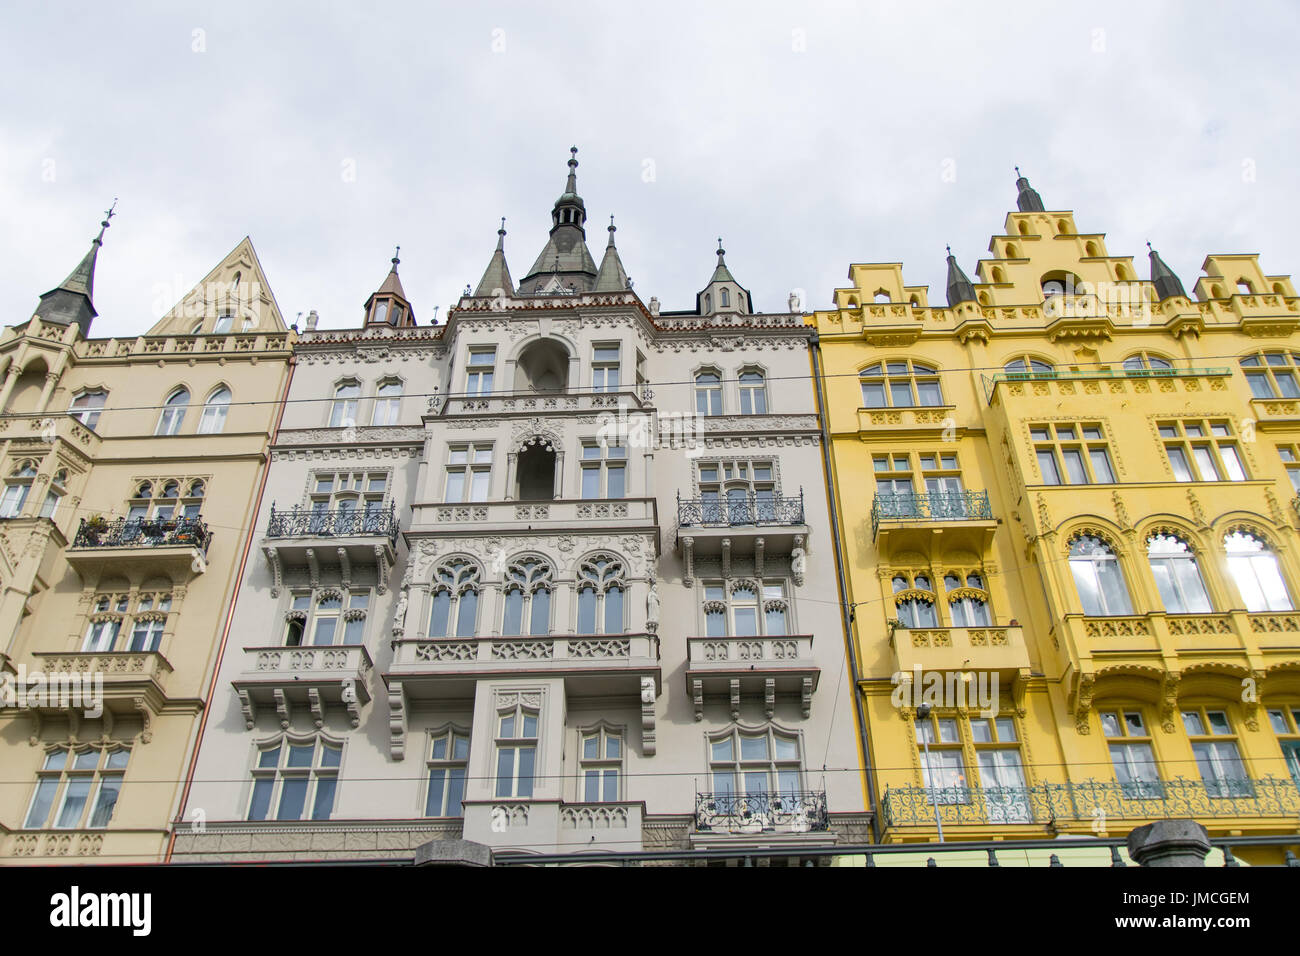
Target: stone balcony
{"points": [[533, 403], [490, 517], [963, 650], [281, 679], [900, 421], [75, 684], [732, 667]]}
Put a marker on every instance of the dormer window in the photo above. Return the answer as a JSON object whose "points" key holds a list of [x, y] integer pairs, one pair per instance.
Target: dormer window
{"points": [[726, 298], [224, 323], [381, 312]]}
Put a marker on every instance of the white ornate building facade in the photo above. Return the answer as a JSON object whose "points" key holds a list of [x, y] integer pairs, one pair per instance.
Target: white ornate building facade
{"points": [[556, 575]]}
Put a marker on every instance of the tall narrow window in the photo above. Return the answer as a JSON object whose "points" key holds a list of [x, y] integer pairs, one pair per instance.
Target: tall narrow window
{"points": [[343, 413], [914, 600], [447, 765], [173, 413], [17, 488], [604, 368], [1177, 575], [214, 412], [943, 768], [388, 403], [1098, 578], [753, 393], [1217, 758], [516, 742], [1131, 754], [708, 393], [1255, 571], [454, 600], [601, 763], [601, 589], [58, 488], [527, 598], [88, 406], [478, 379], [967, 600]]}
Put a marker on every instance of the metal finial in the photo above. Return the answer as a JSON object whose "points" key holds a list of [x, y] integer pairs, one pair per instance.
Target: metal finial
{"points": [[395, 260], [108, 214], [573, 158], [1149, 249], [949, 248], [1018, 176], [502, 230]]}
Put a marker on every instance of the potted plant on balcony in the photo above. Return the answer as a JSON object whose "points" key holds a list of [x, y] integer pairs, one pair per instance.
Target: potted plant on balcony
{"points": [[94, 527]]}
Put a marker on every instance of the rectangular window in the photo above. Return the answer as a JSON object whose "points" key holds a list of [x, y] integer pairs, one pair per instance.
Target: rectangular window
{"points": [[516, 752], [469, 472], [604, 470], [1131, 754], [478, 378], [1193, 458], [77, 790], [295, 780], [1217, 757], [1072, 453], [600, 766], [605, 368], [447, 766], [943, 768]]}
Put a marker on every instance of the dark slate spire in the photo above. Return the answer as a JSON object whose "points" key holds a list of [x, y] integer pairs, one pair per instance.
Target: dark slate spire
{"points": [[1028, 200], [567, 245], [721, 273], [1163, 278], [71, 301], [388, 304], [723, 293], [611, 277], [497, 275], [960, 288]]}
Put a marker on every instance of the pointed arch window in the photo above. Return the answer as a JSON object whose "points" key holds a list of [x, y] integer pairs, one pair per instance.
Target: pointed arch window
{"points": [[58, 488], [708, 392], [968, 600], [1255, 570], [528, 597], [173, 413], [1178, 577], [914, 599], [88, 406], [343, 413], [17, 488], [213, 420], [1098, 577], [388, 403], [601, 590], [726, 298], [454, 605], [753, 392]]}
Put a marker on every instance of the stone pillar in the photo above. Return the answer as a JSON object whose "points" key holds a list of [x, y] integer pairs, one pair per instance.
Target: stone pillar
{"points": [[1169, 843]]}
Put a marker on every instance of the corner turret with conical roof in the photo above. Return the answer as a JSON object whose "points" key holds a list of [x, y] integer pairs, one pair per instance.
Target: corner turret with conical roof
{"points": [[565, 263], [71, 301], [723, 293], [496, 278], [388, 304]]}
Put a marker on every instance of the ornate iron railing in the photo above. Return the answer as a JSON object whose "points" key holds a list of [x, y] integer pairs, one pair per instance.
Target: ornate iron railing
{"points": [[730, 512], [930, 506], [1092, 800], [142, 533], [787, 810], [342, 522]]}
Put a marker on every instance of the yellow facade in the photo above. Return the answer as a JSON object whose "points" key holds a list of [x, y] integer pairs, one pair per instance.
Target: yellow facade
{"points": [[993, 457], [104, 578]]}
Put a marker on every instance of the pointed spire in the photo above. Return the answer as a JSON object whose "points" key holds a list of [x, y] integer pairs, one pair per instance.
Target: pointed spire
{"points": [[611, 277], [388, 304], [1162, 277], [1028, 199], [392, 282], [721, 273], [497, 275], [71, 301], [571, 187], [565, 254], [960, 288]]}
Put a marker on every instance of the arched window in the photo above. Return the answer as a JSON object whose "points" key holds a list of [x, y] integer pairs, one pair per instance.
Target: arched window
{"points": [[1098, 577], [726, 299], [708, 393], [1025, 366], [17, 488], [601, 591], [1147, 362], [173, 413], [968, 600], [900, 384], [387, 403], [1255, 570], [86, 407], [214, 412], [58, 488], [223, 324], [343, 414], [914, 598], [753, 393], [527, 597], [1178, 578], [1245, 287], [1272, 374], [454, 611]]}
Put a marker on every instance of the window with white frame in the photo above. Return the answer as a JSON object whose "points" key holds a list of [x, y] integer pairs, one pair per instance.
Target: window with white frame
{"points": [[745, 608], [1131, 754], [753, 392], [1178, 577], [605, 367], [173, 412], [213, 419], [516, 746], [162, 501], [17, 487], [149, 621], [448, 761], [900, 384], [295, 779], [478, 376], [347, 502], [343, 410], [1098, 577], [914, 600], [77, 789], [604, 470], [968, 599], [737, 492], [1255, 570], [469, 472], [527, 597], [601, 591], [1285, 722], [755, 763], [454, 599], [332, 617], [58, 488], [1202, 450], [388, 403], [708, 392], [1002, 773], [87, 406], [600, 765], [943, 765], [1214, 745]]}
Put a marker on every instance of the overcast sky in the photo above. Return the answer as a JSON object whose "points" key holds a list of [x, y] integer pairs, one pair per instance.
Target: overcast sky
{"points": [[807, 136]]}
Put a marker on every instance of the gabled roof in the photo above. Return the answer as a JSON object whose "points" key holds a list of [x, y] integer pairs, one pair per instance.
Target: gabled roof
{"points": [[253, 296]]}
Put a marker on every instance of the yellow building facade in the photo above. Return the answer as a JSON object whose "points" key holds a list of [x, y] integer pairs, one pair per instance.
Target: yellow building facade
{"points": [[1066, 503], [130, 469]]}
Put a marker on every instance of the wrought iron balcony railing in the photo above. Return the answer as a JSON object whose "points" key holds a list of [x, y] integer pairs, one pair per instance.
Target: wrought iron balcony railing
{"points": [[343, 522], [786, 810], [930, 506], [734, 511], [143, 533], [1090, 800]]}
